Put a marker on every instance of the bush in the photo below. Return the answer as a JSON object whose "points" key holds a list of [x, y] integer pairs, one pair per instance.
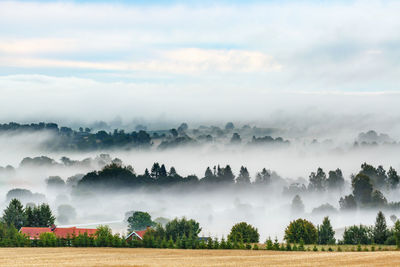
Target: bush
{"points": [[357, 235], [244, 232], [301, 229]]}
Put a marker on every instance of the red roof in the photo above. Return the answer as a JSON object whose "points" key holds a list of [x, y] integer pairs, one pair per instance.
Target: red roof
{"points": [[72, 231], [141, 233], [34, 232]]}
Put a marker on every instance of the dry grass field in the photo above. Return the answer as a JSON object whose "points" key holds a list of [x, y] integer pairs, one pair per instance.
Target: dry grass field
{"points": [[174, 257]]}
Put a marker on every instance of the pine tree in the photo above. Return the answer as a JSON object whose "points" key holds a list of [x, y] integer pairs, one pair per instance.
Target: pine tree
{"points": [[14, 214], [269, 244], [209, 243], [276, 244], [326, 233], [380, 231], [216, 245], [396, 233], [170, 243]]}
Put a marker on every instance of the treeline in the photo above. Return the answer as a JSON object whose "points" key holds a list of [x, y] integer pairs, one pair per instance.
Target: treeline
{"points": [[65, 138], [184, 234], [121, 177]]}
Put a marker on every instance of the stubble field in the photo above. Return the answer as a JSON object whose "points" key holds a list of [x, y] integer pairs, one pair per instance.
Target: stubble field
{"points": [[175, 257]]}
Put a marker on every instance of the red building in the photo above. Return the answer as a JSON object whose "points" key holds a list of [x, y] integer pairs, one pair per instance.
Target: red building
{"points": [[136, 234], [34, 232]]}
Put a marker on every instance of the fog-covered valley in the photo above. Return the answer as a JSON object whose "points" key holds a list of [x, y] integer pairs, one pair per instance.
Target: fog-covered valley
{"points": [[27, 161]]}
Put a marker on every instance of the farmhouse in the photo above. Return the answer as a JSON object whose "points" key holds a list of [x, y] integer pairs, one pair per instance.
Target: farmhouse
{"points": [[34, 232]]}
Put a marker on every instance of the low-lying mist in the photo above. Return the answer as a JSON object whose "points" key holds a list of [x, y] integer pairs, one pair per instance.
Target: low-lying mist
{"points": [[217, 209]]}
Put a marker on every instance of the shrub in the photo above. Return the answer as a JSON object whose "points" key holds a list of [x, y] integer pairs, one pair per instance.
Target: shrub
{"points": [[245, 232], [301, 229]]}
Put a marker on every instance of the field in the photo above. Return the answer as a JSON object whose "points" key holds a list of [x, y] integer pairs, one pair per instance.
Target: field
{"points": [[174, 257]]}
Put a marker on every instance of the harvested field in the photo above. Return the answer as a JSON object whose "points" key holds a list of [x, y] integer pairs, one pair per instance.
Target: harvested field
{"points": [[175, 257]]}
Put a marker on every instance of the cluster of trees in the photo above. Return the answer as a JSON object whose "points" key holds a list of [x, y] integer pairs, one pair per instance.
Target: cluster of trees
{"points": [[367, 187], [377, 234], [30, 216], [184, 233], [304, 232], [83, 139], [118, 176]]}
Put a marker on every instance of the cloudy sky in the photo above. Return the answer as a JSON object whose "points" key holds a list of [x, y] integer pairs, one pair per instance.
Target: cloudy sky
{"points": [[92, 60]]}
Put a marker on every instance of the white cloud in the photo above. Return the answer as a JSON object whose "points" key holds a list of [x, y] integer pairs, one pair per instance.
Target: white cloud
{"points": [[181, 61]]}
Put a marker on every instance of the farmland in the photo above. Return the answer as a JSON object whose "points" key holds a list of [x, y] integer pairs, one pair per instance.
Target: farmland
{"points": [[176, 257]]}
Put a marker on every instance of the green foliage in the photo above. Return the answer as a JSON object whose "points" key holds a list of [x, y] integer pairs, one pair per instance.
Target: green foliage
{"points": [[10, 237], [326, 235], [301, 245], [39, 216], [182, 227], [317, 181], [139, 221], [380, 231], [396, 232], [362, 188], [103, 236], [245, 232], [301, 229], [354, 235], [269, 244], [47, 240], [276, 244], [14, 214]]}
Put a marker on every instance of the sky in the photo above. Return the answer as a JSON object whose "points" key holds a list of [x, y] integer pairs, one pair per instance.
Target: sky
{"points": [[196, 60]]}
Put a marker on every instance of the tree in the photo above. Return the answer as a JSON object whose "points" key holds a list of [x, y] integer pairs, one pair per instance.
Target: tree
{"points": [[396, 232], [317, 181], [362, 188], [39, 216], [208, 173], [263, 177], [378, 200], [172, 172], [163, 171], [236, 139], [297, 205], [14, 214], [244, 176], [155, 170], [301, 229], [335, 180], [177, 228], [103, 236], [243, 232], [226, 175], [45, 216], [139, 221], [393, 178], [348, 203], [326, 235], [380, 231], [55, 182], [355, 235], [229, 126]]}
